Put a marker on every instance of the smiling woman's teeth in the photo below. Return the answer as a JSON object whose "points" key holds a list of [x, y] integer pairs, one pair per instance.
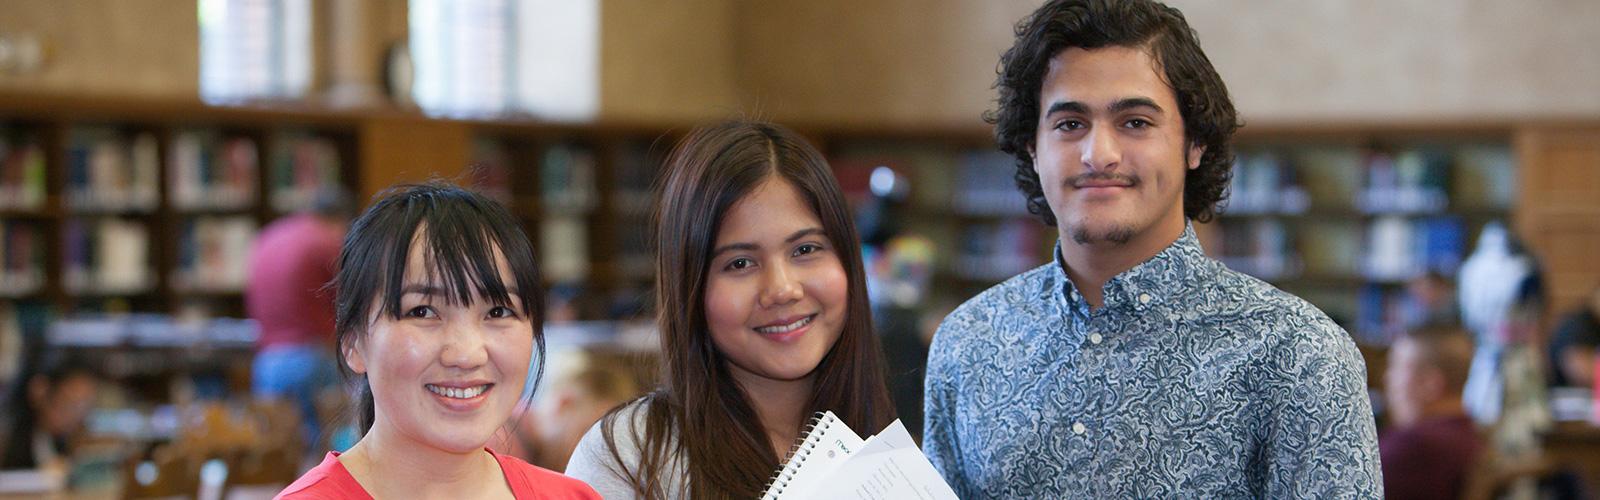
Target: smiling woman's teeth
{"points": [[457, 392], [786, 328]]}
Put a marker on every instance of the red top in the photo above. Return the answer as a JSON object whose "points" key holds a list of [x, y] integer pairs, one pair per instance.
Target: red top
{"points": [[330, 480], [290, 261], [1429, 459]]}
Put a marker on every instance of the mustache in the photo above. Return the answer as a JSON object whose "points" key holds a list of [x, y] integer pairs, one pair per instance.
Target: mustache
{"points": [[1100, 177]]}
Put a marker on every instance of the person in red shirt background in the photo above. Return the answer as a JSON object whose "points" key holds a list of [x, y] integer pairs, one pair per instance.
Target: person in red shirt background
{"points": [[291, 262], [1431, 444]]}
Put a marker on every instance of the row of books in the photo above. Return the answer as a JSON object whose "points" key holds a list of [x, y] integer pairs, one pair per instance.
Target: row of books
{"points": [[1265, 183], [1263, 248], [21, 259], [566, 173], [636, 170], [213, 253], [22, 172], [987, 185], [566, 178], [1400, 248], [992, 252], [1423, 180], [154, 330], [110, 170], [302, 165], [1412, 181], [1382, 313], [111, 255], [1390, 248], [12, 348], [106, 255], [212, 171]]}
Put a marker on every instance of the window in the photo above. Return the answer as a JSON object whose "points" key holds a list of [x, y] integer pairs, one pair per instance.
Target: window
{"points": [[254, 49], [480, 58]]}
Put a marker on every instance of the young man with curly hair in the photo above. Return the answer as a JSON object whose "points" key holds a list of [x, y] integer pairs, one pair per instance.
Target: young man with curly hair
{"points": [[1133, 366]]}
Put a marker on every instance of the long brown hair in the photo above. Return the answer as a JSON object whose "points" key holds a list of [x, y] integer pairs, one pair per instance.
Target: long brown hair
{"points": [[700, 413]]}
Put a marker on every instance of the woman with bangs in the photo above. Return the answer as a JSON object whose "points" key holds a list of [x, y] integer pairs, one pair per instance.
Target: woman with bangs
{"points": [[439, 308], [764, 321]]}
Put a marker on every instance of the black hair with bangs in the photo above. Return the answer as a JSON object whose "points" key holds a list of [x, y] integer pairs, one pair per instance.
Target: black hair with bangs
{"points": [[460, 232]]}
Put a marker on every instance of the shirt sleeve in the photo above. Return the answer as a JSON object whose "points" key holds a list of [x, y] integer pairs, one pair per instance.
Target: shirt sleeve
{"points": [[1321, 438], [939, 408], [593, 463]]}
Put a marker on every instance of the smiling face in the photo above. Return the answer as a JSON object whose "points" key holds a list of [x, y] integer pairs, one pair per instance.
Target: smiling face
{"points": [[1110, 148], [775, 290], [446, 376]]}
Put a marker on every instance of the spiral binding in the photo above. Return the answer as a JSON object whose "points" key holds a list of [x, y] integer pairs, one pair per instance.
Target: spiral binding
{"points": [[797, 455]]}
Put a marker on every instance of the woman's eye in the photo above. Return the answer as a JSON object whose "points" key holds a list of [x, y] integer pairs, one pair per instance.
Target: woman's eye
{"points": [[808, 248], [502, 312], [740, 263], [421, 312]]}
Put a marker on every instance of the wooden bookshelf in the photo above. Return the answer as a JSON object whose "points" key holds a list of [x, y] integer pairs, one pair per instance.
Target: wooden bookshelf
{"points": [[1527, 150], [123, 168], [380, 147]]}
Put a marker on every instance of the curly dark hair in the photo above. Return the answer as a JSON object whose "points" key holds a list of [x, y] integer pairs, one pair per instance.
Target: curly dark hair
{"points": [[1209, 119]]}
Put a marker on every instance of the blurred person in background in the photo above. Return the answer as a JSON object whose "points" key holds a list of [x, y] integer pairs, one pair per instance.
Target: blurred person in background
{"points": [[291, 261], [44, 409], [1572, 346], [1431, 443], [1430, 299], [584, 384], [899, 266], [1501, 299]]}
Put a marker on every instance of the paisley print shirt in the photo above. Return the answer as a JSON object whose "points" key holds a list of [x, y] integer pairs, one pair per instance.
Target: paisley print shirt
{"points": [[1192, 381]]}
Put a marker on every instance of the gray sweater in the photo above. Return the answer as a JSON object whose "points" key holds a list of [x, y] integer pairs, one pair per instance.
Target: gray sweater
{"points": [[593, 463]]}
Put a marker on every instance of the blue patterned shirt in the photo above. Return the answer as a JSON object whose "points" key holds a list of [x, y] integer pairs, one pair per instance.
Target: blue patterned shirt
{"points": [[1192, 381]]}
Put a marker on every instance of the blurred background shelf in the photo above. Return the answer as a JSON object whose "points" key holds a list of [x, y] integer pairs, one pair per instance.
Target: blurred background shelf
{"points": [[1328, 211]]}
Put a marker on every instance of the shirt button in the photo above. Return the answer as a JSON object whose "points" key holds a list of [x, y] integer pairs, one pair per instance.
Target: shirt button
{"points": [[1144, 298], [1095, 338], [1077, 428]]}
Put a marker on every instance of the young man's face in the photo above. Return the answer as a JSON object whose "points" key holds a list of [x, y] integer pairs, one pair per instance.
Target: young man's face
{"points": [[1110, 148]]}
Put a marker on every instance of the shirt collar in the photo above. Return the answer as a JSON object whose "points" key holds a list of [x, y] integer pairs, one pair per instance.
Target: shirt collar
{"points": [[1165, 275]]}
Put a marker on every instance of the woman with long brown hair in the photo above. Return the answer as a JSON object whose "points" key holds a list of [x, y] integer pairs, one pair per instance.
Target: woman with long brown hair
{"points": [[763, 314]]}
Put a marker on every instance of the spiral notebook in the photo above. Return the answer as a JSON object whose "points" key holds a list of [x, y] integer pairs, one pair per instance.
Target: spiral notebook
{"points": [[832, 461]]}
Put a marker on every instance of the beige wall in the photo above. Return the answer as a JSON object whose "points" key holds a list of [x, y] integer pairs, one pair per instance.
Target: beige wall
{"points": [[118, 47], [931, 62], [890, 61], [1404, 59], [667, 60], [919, 61]]}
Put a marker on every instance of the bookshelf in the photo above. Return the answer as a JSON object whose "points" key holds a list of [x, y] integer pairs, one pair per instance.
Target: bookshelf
{"points": [[583, 194], [1347, 220], [1307, 212], [1343, 216], [115, 206]]}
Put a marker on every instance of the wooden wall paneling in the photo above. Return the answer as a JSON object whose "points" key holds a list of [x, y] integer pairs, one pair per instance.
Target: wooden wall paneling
{"points": [[1558, 215], [409, 149]]}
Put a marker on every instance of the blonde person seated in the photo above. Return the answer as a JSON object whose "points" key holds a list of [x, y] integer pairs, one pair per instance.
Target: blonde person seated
{"points": [[763, 316], [583, 384], [438, 313]]}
